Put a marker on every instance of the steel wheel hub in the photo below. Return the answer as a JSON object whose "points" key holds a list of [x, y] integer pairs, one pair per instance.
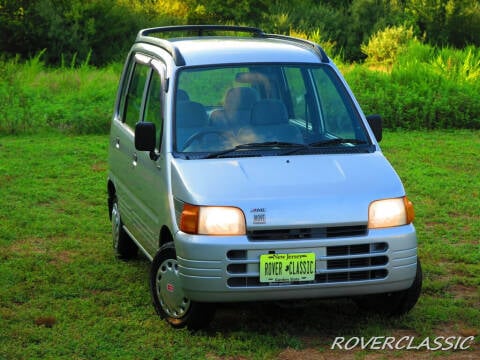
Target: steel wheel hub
{"points": [[169, 292], [116, 223]]}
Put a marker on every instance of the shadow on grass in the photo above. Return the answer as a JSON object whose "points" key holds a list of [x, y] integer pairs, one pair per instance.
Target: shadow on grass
{"points": [[295, 324], [304, 318], [322, 319]]}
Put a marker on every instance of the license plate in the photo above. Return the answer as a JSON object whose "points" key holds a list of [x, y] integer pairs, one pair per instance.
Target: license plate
{"points": [[287, 267]]}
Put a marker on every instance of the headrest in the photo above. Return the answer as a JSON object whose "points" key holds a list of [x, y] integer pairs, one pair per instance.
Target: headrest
{"points": [[269, 112], [240, 98], [191, 114], [182, 95]]}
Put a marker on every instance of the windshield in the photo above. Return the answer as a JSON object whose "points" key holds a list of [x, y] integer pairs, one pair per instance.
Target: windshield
{"points": [[258, 110]]}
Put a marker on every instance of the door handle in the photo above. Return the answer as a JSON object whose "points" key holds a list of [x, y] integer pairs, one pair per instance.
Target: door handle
{"points": [[117, 143], [134, 159]]}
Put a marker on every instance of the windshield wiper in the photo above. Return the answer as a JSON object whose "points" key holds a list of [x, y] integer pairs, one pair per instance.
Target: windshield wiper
{"points": [[292, 147], [326, 143], [336, 141], [255, 145]]}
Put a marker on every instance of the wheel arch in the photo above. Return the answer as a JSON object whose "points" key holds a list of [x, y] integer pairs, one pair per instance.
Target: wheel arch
{"points": [[165, 236], [111, 195]]}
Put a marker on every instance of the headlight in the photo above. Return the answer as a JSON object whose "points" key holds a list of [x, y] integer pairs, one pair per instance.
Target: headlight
{"points": [[212, 220], [390, 212]]}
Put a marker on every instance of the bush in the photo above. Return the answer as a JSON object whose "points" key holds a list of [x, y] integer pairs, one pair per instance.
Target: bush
{"points": [[384, 46], [15, 106], [34, 98], [73, 31], [427, 88], [446, 23], [225, 11]]}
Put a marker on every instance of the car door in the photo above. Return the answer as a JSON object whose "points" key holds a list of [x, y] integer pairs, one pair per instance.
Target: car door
{"points": [[150, 191], [124, 154]]}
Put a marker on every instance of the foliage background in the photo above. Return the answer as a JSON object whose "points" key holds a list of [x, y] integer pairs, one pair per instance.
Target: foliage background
{"points": [[415, 62], [74, 30], [63, 294]]}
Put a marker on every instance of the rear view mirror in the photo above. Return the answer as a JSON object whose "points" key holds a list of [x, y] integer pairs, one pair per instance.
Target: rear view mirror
{"points": [[375, 122]]}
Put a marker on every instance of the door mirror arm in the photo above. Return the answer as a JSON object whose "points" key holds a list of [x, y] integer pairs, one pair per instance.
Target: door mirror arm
{"points": [[154, 155]]}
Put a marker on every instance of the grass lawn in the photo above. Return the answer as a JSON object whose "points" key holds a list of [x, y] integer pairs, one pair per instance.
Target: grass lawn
{"points": [[64, 295]]}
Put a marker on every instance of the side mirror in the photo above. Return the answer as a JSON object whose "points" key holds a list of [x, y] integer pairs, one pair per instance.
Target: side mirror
{"points": [[145, 136], [375, 122]]}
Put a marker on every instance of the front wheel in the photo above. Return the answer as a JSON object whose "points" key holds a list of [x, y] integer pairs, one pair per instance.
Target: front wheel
{"points": [[394, 303], [168, 296]]}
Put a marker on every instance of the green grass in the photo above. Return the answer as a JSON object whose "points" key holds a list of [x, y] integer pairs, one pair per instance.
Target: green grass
{"points": [[64, 295], [36, 99]]}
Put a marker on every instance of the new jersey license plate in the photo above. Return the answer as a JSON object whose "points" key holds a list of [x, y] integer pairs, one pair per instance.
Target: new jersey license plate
{"points": [[287, 267]]}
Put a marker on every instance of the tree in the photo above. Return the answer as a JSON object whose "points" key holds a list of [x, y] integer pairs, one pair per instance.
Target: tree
{"points": [[452, 22]]}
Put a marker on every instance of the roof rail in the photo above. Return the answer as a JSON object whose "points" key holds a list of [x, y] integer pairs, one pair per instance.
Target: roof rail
{"points": [[200, 29], [165, 45], [306, 43], [145, 36]]}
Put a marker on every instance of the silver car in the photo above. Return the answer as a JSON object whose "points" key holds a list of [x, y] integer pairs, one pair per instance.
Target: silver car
{"points": [[242, 166]]}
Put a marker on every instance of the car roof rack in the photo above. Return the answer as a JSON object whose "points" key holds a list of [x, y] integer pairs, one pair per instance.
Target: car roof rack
{"points": [[148, 36], [201, 29]]}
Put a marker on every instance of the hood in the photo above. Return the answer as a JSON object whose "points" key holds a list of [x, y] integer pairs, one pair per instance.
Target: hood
{"points": [[308, 190]]}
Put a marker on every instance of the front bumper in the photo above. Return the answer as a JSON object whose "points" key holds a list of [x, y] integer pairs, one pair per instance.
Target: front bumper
{"points": [[226, 269]]}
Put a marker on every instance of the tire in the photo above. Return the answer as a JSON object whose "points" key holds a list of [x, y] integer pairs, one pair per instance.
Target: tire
{"points": [[168, 297], [123, 245], [394, 303]]}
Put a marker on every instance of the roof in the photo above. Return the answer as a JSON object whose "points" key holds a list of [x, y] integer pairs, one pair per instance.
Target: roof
{"points": [[258, 47], [201, 51]]}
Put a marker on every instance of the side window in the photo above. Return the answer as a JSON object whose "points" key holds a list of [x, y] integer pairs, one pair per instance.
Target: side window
{"points": [[153, 105], [133, 103], [123, 89], [336, 112], [296, 87], [301, 102]]}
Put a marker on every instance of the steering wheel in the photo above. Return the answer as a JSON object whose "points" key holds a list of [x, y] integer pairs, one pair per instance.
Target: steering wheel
{"points": [[198, 136]]}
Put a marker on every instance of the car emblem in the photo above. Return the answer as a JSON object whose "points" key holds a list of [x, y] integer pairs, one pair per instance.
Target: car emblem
{"points": [[259, 215]]}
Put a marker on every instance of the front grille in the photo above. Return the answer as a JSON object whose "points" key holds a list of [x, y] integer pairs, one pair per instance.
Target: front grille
{"points": [[346, 263], [251, 281], [345, 250], [357, 262], [308, 233]]}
